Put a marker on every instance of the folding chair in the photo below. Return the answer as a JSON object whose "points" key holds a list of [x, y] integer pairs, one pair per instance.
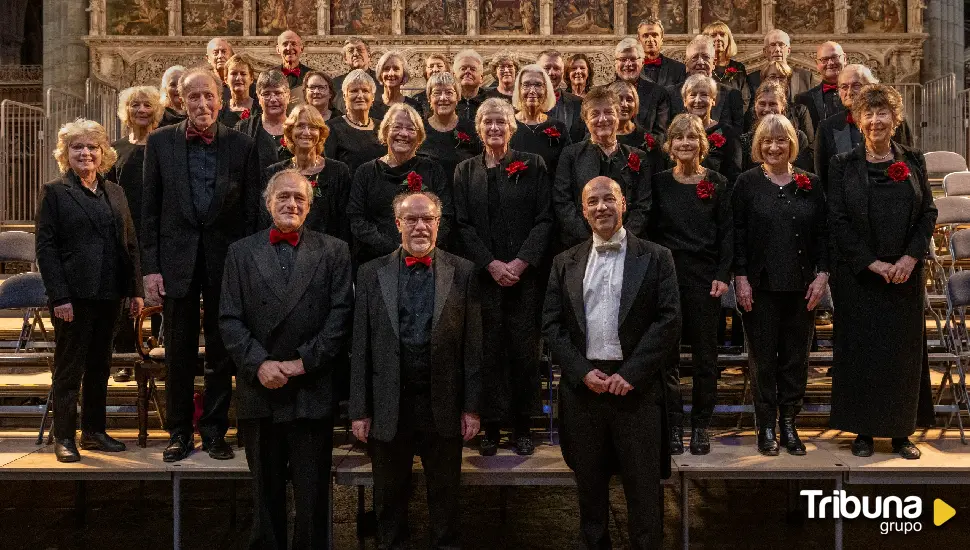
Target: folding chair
{"points": [[956, 184], [28, 293], [957, 341], [941, 163]]}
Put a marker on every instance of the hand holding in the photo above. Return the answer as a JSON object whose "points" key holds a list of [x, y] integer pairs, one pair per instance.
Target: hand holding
{"points": [[595, 380], [502, 274], [518, 266], [64, 312], [292, 368], [882, 269], [742, 290], [361, 429], [817, 290], [618, 386], [902, 269], [270, 375], [134, 308]]}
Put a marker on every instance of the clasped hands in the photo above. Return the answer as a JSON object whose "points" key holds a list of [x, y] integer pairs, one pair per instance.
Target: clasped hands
{"points": [[597, 381], [275, 374], [470, 426], [507, 274], [898, 272]]}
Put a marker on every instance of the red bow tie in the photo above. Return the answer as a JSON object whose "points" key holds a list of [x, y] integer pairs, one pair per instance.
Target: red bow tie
{"points": [[291, 72], [558, 95], [655, 62], [277, 236], [826, 88], [849, 119], [411, 260], [206, 136]]}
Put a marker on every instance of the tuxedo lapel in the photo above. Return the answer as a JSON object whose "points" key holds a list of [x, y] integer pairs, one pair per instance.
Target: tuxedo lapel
{"points": [[307, 262], [444, 275], [575, 271], [843, 138], [634, 268], [387, 277], [818, 99], [587, 168], [180, 165], [268, 265]]}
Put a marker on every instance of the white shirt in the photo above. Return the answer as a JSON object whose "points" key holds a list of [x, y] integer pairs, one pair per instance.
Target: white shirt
{"points": [[602, 285]]}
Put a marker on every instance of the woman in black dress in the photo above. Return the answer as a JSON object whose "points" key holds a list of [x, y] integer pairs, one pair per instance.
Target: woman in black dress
{"points": [[580, 72], [306, 135], [392, 71], [781, 273], [699, 92], [88, 256], [240, 106], [727, 70], [768, 100], [353, 137], [449, 139], [400, 170], [504, 219], [319, 93], [504, 68], [435, 63], [629, 132], [881, 215], [267, 129], [537, 132], [692, 217], [171, 100]]}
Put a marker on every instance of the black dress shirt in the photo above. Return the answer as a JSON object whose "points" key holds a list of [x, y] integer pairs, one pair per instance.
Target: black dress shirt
{"points": [[286, 254], [415, 313], [203, 164], [533, 139]]}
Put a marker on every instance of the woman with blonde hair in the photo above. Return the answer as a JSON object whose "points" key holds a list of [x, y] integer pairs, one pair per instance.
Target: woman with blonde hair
{"points": [[87, 253], [171, 100], [392, 72], [533, 97], [727, 70]]}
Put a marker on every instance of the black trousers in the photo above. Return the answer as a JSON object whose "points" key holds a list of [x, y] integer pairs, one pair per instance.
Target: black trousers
{"points": [[392, 462], [701, 315], [779, 331], [181, 358], [605, 433], [82, 351], [303, 451], [511, 326]]}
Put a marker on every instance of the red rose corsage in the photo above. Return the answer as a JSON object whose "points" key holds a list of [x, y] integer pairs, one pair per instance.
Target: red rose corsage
{"points": [[316, 190], [244, 115], [413, 181], [717, 139], [898, 171], [462, 137], [552, 133], [633, 162], [514, 168], [283, 141], [648, 142], [705, 189], [803, 183], [731, 71]]}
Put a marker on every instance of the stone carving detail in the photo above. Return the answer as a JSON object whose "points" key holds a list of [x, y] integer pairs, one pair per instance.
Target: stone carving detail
{"points": [[673, 14], [97, 26], [743, 16], [276, 16], [877, 16], [582, 17], [360, 17], [430, 17], [805, 16], [131, 17], [323, 17], [508, 16], [207, 18]]}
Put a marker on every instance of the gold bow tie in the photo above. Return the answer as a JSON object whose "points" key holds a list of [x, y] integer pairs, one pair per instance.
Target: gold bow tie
{"points": [[614, 246]]}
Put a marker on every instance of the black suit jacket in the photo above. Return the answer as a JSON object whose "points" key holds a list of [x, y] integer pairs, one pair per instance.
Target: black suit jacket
{"points": [[654, 114], [801, 81], [848, 202], [672, 73], [568, 110], [728, 107], [456, 345], [68, 255], [266, 150], [815, 103], [835, 135], [579, 163], [796, 114], [173, 233], [262, 318], [650, 317]]}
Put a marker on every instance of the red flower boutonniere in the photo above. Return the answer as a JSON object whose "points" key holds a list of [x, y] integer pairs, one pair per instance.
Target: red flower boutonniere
{"points": [[648, 142], [514, 168], [244, 115], [553, 134], [731, 71], [633, 162], [413, 181], [803, 183], [898, 171], [283, 141], [705, 189], [462, 137], [717, 139], [316, 190]]}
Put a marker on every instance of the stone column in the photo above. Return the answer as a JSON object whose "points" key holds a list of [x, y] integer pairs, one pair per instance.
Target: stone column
{"points": [[545, 17], [65, 54], [767, 15], [97, 24], [944, 46], [249, 17], [12, 13], [841, 16], [619, 17], [471, 23], [323, 17], [174, 8], [693, 17]]}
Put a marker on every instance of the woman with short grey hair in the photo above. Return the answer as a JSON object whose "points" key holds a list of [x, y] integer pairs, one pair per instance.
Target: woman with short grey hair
{"points": [[450, 139], [273, 92], [170, 98], [353, 137]]}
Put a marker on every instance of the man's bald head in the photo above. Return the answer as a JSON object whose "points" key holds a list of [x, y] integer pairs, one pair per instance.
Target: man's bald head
{"points": [[289, 46], [603, 206], [599, 182], [830, 60]]}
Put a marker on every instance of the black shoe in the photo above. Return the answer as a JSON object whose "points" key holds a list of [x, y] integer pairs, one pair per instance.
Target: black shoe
{"points": [[789, 437], [122, 375], [524, 445], [700, 441], [66, 451], [906, 449], [676, 440], [487, 446], [218, 448], [178, 448], [766, 442], [100, 441], [862, 446]]}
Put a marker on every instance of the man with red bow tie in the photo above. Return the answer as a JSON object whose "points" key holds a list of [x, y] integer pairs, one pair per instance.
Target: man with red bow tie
{"points": [[287, 304], [823, 100], [289, 46], [201, 193], [415, 380], [658, 68]]}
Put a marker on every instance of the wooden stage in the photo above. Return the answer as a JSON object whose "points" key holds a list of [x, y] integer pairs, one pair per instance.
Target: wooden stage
{"points": [[733, 456]]}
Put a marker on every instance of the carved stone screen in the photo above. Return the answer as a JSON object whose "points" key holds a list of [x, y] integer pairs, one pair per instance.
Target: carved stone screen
{"points": [[205, 17], [360, 16], [582, 17], [435, 17], [136, 17], [509, 16], [805, 16], [742, 16], [673, 13], [878, 16], [276, 16]]}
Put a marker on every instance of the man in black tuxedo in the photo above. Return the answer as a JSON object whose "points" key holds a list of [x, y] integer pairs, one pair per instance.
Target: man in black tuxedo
{"points": [[823, 100], [568, 106], [201, 189], [728, 107], [415, 378], [612, 320], [356, 56], [839, 132], [777, 48], [285, 315], [658, 68], [654, 113], [289, 46]]}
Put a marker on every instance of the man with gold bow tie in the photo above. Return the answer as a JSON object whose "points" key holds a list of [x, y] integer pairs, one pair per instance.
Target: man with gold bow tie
{"points": [[201, 193], [285, 317]]}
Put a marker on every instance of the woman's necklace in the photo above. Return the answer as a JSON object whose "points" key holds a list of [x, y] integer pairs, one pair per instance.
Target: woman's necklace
{"points": [[879, 158], [357, 124], [771, 177]]}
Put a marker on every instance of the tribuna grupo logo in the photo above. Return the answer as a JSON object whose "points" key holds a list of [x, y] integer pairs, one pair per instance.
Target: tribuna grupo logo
{"points": [[904, 511]]}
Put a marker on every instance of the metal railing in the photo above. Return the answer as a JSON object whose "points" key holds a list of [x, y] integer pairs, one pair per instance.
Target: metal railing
{"points": [[942, 127], [912, 93], [60, 107], [23, 160], [101, 100]]}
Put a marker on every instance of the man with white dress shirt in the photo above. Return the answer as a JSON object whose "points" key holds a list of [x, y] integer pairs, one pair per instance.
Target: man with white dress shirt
{"points": [[612, 319]]}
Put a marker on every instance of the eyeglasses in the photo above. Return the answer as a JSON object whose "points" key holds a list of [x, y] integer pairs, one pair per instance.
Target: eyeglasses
{"points": [[779, 141], [271, 94], [532, 86], [626, 59], [320, 88], [855, 87], [442, 94], [830, 59], [398, 128], [411, 221]]}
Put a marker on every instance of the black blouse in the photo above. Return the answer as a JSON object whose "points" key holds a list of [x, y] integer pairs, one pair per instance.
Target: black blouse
{"points": [[698, 231], [331, 193], [534, 139], [805, 159], [375, 184], [378, 109], [887, 198], [450, 148], [734, 74], [726, 159], [351, 146], [780, 233], [127, 172], [638, 140], [231, 118], [170, 117]]}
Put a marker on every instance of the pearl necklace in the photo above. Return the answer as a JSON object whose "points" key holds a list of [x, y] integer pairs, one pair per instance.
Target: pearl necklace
{"points": [[882, 158]]}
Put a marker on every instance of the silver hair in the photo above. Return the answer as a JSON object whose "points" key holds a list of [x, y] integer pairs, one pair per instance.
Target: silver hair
{"points": [[701, 41], [496, 104], [358, 76], [387, 57], [271, 79], [464, 54], [442, 79], [282, 175], [864, 72], [695, 81], [166, 80], [628, 44], [517, 92]]}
